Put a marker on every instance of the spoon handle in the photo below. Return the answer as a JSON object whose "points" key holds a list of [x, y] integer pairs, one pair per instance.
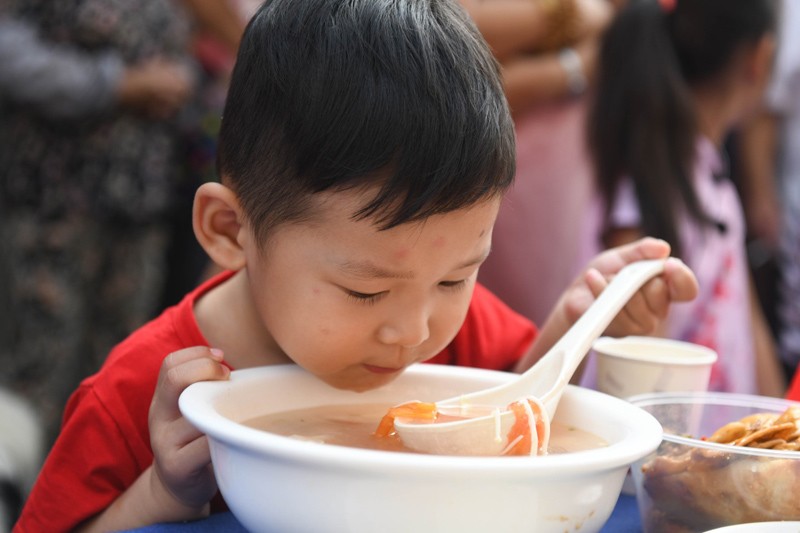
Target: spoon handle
{"points": [[547, 378], [577, 341]]}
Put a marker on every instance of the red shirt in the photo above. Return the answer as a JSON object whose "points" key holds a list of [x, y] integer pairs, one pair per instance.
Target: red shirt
{"points": [[794, 388], [104, 443]]}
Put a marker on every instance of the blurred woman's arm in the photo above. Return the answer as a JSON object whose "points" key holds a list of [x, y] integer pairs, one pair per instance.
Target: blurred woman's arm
{"points": [[56, 82], [522, 35], [514, 27], [531, 80]]}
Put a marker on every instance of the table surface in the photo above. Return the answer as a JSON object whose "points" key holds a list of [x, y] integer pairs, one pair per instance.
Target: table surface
{"points": [[624, 519]]}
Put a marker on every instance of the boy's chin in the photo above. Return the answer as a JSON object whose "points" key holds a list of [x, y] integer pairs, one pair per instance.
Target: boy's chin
{"points": [[360, 383]]}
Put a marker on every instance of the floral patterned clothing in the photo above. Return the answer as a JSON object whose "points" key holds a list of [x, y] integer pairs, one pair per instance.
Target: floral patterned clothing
{"points": [[719, 317], [83, 205], [113, 165]]}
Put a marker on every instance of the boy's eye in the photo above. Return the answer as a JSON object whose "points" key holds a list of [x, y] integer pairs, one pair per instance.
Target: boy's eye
{"points": [[371, 298], [453, 284], [365, 297]]}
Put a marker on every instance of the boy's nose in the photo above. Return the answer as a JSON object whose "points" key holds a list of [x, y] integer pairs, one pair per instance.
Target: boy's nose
{"points": [[407, 331]]}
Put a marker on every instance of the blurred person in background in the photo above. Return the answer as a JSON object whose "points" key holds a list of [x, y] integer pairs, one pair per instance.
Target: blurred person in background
{"points": [[784, 103], [215, 40], [547, 51], [87, 178], [56, 82], [674, 77], [770, 153]]}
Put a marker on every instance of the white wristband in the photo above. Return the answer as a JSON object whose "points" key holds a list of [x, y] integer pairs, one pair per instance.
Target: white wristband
{"points": [[573, 68]]}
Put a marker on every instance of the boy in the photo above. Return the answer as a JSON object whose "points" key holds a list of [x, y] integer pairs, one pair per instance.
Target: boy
{"points": [[364, 150]]}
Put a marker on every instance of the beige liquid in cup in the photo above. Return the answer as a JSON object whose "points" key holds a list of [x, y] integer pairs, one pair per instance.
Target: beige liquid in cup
{"points": [[639, 365]]}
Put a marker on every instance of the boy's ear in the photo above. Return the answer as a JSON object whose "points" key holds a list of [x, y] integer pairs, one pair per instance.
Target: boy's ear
{"points": [[217, 218]]}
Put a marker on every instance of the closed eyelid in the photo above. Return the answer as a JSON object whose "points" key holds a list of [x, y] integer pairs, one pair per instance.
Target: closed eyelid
{"points": [[365, 294], [364, 298]]}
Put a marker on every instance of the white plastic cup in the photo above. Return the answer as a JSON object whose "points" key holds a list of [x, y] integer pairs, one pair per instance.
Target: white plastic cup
{"points": [[639, 365]]}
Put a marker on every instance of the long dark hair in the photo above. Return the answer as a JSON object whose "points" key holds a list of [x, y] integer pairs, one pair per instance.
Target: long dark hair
{"points": [[642, 121]]}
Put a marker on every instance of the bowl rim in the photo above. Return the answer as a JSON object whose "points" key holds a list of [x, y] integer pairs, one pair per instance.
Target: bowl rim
{"points": [[196, 405], [729, 399], [755, 526]]}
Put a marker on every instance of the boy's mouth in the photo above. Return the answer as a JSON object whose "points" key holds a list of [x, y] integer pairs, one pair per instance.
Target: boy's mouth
{"points": [[382, 369]]}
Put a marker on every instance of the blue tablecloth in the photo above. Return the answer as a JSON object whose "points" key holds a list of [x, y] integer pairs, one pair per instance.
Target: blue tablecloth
{"points": [[624, 519]]}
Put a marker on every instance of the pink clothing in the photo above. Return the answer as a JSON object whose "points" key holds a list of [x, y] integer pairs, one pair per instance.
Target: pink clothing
{"points": [[536, 241], [720, 315]]}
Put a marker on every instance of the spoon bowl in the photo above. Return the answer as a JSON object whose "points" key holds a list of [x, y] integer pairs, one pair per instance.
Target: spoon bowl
{"points": [[488, 434]]}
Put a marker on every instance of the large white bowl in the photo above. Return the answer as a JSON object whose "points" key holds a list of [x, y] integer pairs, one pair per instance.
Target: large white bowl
{"points": [[277, 484]]}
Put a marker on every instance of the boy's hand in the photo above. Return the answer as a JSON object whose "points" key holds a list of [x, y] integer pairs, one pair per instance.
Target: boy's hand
{"points": [[182, 461], [643, 313], [650, 305]]}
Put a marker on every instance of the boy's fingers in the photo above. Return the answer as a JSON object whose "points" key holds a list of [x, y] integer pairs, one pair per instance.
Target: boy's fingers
{"points": [[595, 281], [646, 248], [189, 469], [194, 456], [612, 261], [681, 281], [173, 380], [182, 432], [187, 354], [655, 294], [198, 452], [639, 314], [179, 377]]}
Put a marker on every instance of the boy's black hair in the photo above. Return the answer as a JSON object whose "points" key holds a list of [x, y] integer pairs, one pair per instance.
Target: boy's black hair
{"points": [[643, 121], [337, 94]]}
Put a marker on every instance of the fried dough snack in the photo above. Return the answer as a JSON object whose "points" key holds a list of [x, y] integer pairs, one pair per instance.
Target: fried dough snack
{"points": [[696, 489], [763, 430]]}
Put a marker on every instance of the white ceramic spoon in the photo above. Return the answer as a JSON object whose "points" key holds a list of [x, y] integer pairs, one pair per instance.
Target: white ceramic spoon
{"points": [[487, 435]]}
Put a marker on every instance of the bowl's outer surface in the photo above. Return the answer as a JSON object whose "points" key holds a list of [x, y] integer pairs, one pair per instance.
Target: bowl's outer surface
{"points": [[760, 527], [276, 484]]}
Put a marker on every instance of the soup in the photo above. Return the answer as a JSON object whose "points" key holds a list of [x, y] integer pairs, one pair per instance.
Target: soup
{"points": [[354, 426]]}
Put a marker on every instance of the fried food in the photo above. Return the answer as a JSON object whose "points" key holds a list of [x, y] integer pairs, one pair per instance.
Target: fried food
{"points": [[696, 489]]}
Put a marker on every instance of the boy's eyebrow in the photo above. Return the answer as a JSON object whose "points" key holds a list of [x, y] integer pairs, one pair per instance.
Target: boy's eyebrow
{"points": [[368, 269]]}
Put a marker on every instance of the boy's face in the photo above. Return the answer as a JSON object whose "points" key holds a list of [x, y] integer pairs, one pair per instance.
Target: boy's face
{"points": [[354, 305]]}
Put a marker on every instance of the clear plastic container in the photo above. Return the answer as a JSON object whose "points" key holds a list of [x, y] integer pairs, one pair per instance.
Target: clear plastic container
{"points": [[691, 485]]}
